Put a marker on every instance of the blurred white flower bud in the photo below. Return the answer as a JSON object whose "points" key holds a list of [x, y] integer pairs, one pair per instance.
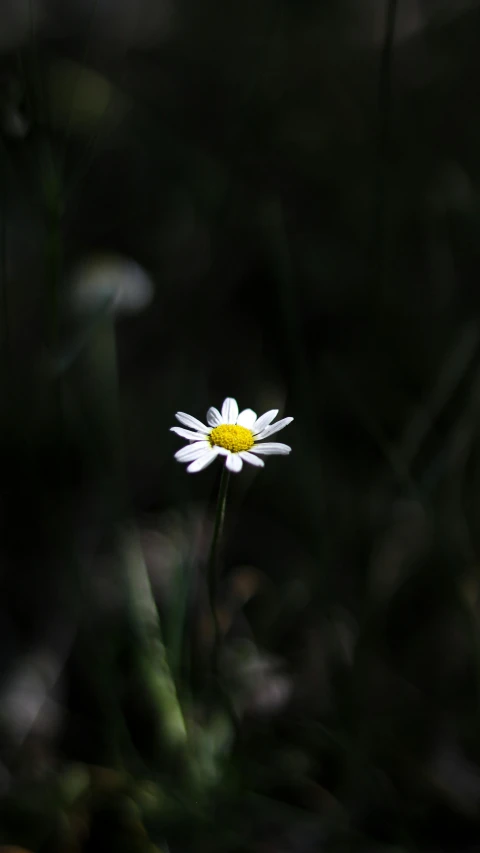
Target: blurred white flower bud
{"points": [[257, 681], [110, 281]]}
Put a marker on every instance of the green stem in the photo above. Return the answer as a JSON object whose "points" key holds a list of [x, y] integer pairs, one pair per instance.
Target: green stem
{"points": [[213, 573]]}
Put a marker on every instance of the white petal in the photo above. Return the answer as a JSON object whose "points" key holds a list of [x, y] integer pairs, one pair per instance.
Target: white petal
{"points": [[202, 461], [273, 428], [234, 463], [189, 421], [249, 457], [187, 433], [214, 417], [229, 411], [191, 451], [247, 418], [264, 420], [271, 447]]}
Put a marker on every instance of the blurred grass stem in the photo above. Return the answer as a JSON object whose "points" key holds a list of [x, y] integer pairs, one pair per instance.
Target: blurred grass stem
{"points": [[83, 62], [53, 252], [150, 654], [100, 363], [281, 263], [4, 283], [380, 227]]}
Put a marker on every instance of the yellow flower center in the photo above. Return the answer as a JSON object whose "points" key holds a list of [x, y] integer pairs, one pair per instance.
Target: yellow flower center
{"points": [[232, 437]]}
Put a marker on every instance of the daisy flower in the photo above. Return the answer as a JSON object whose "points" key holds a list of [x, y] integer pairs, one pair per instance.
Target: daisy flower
{"points": [[230, 434]]}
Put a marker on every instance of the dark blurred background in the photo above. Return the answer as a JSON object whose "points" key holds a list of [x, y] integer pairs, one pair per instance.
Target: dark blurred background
{"points": [[277, 201]]}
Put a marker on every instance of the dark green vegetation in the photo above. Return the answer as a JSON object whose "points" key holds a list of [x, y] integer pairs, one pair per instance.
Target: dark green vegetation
{"points": [[300, 180]]}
